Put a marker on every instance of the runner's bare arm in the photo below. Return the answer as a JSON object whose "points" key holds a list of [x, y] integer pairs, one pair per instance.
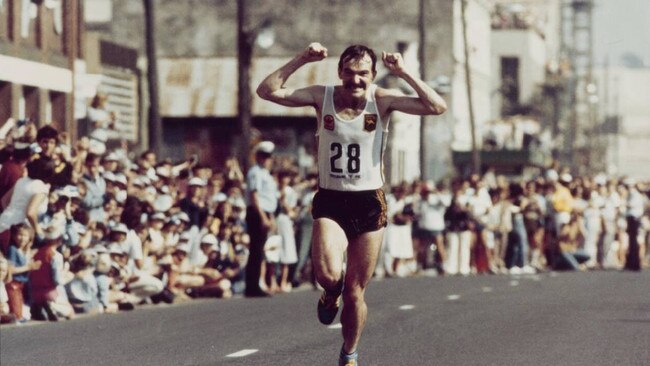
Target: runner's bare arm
{"points": [[428, 101], [272, 87]]}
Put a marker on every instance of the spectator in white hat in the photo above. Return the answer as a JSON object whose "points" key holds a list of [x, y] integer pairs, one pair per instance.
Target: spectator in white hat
{"points": [[262, 196], [194, 205], [155, 242]]}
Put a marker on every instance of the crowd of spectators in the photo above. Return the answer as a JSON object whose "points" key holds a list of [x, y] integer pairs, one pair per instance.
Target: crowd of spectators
{"points": [[489, 224], [86, 229]]}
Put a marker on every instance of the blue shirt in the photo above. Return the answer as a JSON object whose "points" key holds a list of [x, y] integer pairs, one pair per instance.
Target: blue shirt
{"points": [[94, 198], [18, 259], [261, 181]]}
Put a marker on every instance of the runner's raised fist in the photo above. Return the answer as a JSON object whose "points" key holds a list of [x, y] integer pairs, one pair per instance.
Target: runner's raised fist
{"points": [[314, 52], [393, 62]]}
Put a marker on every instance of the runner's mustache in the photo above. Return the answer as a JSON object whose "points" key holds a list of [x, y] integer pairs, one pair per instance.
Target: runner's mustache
{"points": [[352, 85]]}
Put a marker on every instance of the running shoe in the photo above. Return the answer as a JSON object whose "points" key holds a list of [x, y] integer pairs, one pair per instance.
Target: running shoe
{"points": [[328, 307], [348, 359]]}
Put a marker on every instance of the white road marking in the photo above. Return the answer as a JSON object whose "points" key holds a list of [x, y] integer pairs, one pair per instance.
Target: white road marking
{"points": [[335, 326], [487, 289], [407, 307], [514, 283], [453, 297], [243, 353]]}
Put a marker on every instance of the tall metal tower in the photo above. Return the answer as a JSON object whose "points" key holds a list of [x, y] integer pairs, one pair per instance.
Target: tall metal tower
{"points": [[580, 117]]}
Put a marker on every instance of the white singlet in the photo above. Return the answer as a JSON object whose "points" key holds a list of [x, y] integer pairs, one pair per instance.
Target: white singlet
{"points": [[350, 152]]}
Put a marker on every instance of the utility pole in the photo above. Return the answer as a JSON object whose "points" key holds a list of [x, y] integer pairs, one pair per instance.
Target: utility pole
{"points": [[245, 40], [423, 71], [155, 124], [476, 158]]}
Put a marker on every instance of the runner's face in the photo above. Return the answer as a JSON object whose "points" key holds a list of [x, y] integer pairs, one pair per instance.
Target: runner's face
{"points": [[357, 75]]}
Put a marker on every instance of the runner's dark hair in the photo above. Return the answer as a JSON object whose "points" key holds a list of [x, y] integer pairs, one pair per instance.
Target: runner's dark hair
{"points": [[357, 52]]}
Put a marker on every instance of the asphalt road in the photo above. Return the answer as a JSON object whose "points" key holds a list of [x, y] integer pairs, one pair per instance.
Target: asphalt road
{"points": [[599, 318]]}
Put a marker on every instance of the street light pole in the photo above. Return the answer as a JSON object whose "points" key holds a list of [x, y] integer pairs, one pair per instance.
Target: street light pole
{"points": [[423, 69], [476, 158], [245, 41], [155, 125]]}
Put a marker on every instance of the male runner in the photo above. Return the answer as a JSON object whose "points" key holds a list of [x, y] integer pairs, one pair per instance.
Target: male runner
{"points": [[349, 209]]}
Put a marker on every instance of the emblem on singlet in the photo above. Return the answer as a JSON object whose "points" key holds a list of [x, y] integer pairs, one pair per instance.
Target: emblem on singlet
{"points": [[369, 122], [329, 122]]}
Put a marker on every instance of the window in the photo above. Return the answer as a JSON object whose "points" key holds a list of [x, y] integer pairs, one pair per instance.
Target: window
{"points": [[509, 85]]}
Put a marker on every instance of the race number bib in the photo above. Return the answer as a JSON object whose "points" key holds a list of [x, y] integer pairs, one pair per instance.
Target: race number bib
{"points": [[345, 160]]}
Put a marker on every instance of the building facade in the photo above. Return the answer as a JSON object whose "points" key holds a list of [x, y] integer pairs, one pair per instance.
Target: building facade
{"points": [[205, 31], [39, 44]]}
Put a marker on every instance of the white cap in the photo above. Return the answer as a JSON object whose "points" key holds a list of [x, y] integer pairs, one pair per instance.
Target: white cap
{"points": [[183, 248], [182, 216], [185, 237], [209, 239], [158, 216], [115, 248], [120, 228], [120, 178], [629, 182], [196, 181], [552, 175], [265, 147], [600, 179], [109, 176], [112, 156], [141, 182], [566, 177]]}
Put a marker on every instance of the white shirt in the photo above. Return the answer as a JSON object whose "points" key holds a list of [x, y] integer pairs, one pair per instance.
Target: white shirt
{"points": [[132, 246], [432, 211], [261, 181], [24, 190], [350, 152]]}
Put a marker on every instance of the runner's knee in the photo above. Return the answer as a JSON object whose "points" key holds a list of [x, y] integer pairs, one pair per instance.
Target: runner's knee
{"points": [[329, 280], [353, 294]]}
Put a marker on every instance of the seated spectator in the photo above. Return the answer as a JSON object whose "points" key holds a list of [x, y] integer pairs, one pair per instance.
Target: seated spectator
{"points": [[82, 290], [568, 256], [129, 256], [49, 300], [196, 281], [228, 258], [110, 298]]}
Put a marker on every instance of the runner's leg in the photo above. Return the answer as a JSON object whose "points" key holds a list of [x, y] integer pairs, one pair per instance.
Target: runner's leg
{"points": [[328, 247], [363, 252]]}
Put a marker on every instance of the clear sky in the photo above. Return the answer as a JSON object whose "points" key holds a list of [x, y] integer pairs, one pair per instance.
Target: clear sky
{"points": [[620, 27]]}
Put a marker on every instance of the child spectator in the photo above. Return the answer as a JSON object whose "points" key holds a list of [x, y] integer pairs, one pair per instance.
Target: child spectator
{"points": [[82, 290], [48, 301], [19, 257]]}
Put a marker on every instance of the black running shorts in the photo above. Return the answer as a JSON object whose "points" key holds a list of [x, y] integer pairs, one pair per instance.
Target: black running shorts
{"points": [[356, 212]]}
